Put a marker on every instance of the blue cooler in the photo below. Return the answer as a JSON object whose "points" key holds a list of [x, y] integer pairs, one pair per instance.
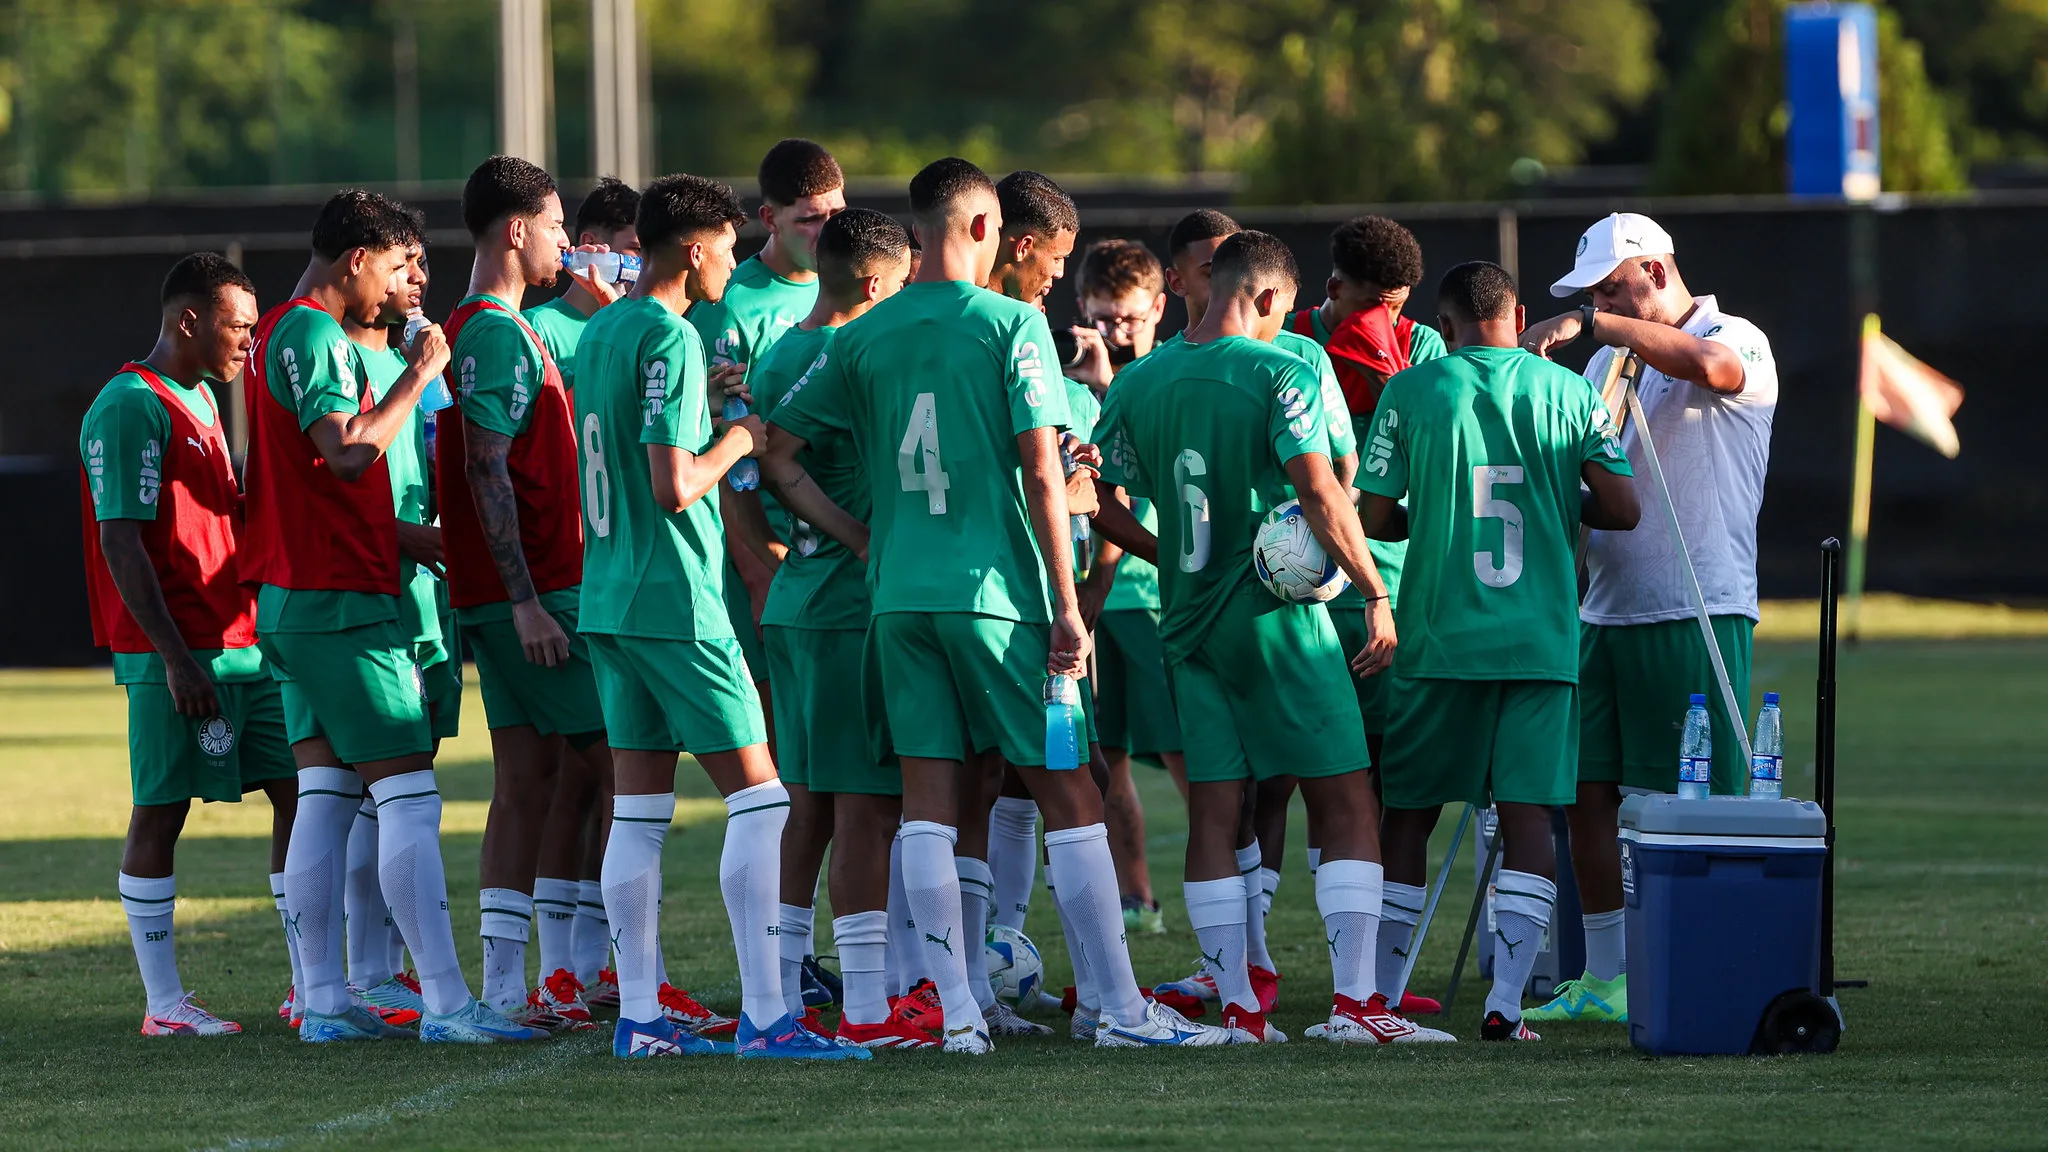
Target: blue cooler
{"points": [[1723, 898]]}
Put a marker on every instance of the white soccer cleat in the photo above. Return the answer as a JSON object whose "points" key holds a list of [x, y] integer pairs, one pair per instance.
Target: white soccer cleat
{"points": [[1351, 1022], [1159, 1027], [1004, 1021], [969, 1040], [188, 1017]]}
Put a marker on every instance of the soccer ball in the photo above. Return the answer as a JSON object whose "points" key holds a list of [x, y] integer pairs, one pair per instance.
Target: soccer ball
{"points": [[1013, 965], [1290, 563]]}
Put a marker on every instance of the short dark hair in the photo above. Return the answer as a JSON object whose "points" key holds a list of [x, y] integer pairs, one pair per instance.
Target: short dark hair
{"points": [[353, 218], [938, 184], [1255, 260], [1035, 206], [1111, 268], [504, 186], [608, 209], [1197, 226], [675, 207], [412, 223], [1475, 291], [1375, 250], [796, 168], [201, 276], [854, 241]]}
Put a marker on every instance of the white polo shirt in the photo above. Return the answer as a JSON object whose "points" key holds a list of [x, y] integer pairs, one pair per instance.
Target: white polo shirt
{"points": [[1715, 450]]}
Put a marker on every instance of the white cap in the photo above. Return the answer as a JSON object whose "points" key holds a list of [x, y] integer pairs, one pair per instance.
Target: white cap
{"points": [[1621, 236]]}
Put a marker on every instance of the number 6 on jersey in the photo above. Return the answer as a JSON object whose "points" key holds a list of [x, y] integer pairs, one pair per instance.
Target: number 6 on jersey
{"points": [[917, 458]]}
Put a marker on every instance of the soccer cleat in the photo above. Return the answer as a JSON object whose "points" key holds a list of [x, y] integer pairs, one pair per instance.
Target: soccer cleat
{"points": [[355, 1023], [475, 1023], [392, 1001], [1249, 1027], [821, 986], [1159, 1027], [604, 991], [637, 1040], [561, 995], [1372, 1022], [969, 1040], [920, 1007], [788, 1040], [890, 1033], [1144, 918], [534, 1014], [683, 1011], [1586, 998], [1188, 994], [188, 1017], [1413, 1005], [1084, 1024], [291, 1011], [1265, 985], [1039, 1000], [1004, 1021], [1499, 1027]]}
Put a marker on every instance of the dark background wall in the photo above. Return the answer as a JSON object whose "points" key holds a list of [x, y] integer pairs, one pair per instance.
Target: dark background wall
{"points": [[1954, 288]]}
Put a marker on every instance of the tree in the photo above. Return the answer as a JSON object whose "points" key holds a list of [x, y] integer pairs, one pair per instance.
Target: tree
{"points": [[1987, 55]]}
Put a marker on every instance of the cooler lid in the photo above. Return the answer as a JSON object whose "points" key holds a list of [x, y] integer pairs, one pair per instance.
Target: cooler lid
{"points": [[1723, 816]]}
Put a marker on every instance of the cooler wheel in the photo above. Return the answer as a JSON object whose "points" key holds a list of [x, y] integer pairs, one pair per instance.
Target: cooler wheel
{"points": [[1798, 1021]]}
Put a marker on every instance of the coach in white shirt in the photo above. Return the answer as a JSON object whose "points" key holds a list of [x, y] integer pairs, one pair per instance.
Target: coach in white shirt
{"points": [[1709, 390]]}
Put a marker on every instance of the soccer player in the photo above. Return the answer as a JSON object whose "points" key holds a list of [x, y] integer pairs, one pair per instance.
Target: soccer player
{"points": [[1232, 425], [604, 223], [971, 575], [323, 548], [1709, 389], [669, 670], [161, 510], [814, 626], [1489, 444]]}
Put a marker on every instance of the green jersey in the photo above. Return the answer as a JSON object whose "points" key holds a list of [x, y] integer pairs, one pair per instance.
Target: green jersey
{"points": [[1207, 430], [559, 326], [498, 369], [419, 605], [820, 584], [646, 571], [758, 307], [941, 378], [1487, 444], [1336, 418]]}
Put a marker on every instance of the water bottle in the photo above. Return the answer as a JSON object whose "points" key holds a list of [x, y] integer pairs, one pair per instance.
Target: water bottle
{"points": [[1062, 723], [610, 267], [1767, 753], [1696, 752], [744, 476], [434, 395], [1078, 529]]}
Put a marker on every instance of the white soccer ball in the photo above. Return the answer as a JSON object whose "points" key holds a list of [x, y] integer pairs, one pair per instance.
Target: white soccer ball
{"points": [[1013, 964], [1290, 563]]}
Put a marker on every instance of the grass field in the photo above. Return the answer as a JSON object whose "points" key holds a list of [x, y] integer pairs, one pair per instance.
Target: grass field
{"points": [[1943, 907]]}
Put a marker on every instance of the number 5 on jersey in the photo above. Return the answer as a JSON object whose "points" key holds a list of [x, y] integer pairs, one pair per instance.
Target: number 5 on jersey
{"points": [[1487, 506], [917, 458]]}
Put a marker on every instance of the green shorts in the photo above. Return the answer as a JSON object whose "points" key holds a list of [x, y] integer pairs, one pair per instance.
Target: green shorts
{"points": [[444, 696], [822, 740], [956, 683], [358, 687], [174, 758], [691, 696], [1636, 682], [1133, 705], [558, 701], [1267, 694], [1372, 690], [739, 608], [1479, 742]]}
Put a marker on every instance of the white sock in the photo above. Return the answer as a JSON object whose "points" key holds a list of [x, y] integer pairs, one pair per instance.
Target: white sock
{"points": [[1216, 911], [1315, 860], [632, 898], [416, 886], [1606, 944], [148, 902], [505, 922], [1012, 858], [1248, 860], [1521, 913], [750, 876], [1095, 907], [793, 942], [976, 887], [592, 943], [1085, 999], [315, 864], [291, 946], [366, 918], [931, 882], [554, 921], [1348, 894], [1400, 911], [863, 943], [1269, 886]]}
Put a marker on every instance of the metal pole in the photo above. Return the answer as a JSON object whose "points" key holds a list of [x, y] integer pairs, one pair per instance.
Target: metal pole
{"points": [[1436, 892], [1824, 755], [1472, 923], [615, 90], [522, 85], [405, 81]]}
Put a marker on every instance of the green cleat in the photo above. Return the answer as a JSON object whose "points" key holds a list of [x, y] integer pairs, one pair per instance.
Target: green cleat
{"points": [[1587, 998]]}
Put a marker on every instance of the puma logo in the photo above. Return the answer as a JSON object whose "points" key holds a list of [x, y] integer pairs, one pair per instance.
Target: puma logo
{"points": [[1510, 945], [1215, 962], [291, 925], [1401, 952], [1332, 941], [946, 943]]}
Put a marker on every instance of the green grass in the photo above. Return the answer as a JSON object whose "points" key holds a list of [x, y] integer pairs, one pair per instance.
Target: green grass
{"points": [[1944, 887]]}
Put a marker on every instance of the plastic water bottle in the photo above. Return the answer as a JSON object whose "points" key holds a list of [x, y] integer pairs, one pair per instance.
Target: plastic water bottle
{"points": [[1062, 723], [1696, 752], [744, 476], [434, 396], [610, 267], [1078, 529], [1767, 753]]}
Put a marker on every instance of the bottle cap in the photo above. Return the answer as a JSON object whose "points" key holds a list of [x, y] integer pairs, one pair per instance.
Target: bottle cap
{"points": [[1699, 698], [1770, 697]]}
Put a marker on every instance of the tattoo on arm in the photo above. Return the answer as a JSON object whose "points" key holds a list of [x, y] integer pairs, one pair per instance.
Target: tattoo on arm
{"points": [[497, 508]]}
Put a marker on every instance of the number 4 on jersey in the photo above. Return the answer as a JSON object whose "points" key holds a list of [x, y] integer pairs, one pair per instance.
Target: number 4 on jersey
{"points": [[917, 458]]}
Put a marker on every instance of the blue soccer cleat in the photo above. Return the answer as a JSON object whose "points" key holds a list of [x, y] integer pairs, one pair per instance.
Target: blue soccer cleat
{"points": [[475, 1023], [637, 1040], [787, 1040], [356, 1023]]}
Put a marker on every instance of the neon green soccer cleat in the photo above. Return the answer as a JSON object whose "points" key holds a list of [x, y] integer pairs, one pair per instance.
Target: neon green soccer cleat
{"points": [[1587, 998]]}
